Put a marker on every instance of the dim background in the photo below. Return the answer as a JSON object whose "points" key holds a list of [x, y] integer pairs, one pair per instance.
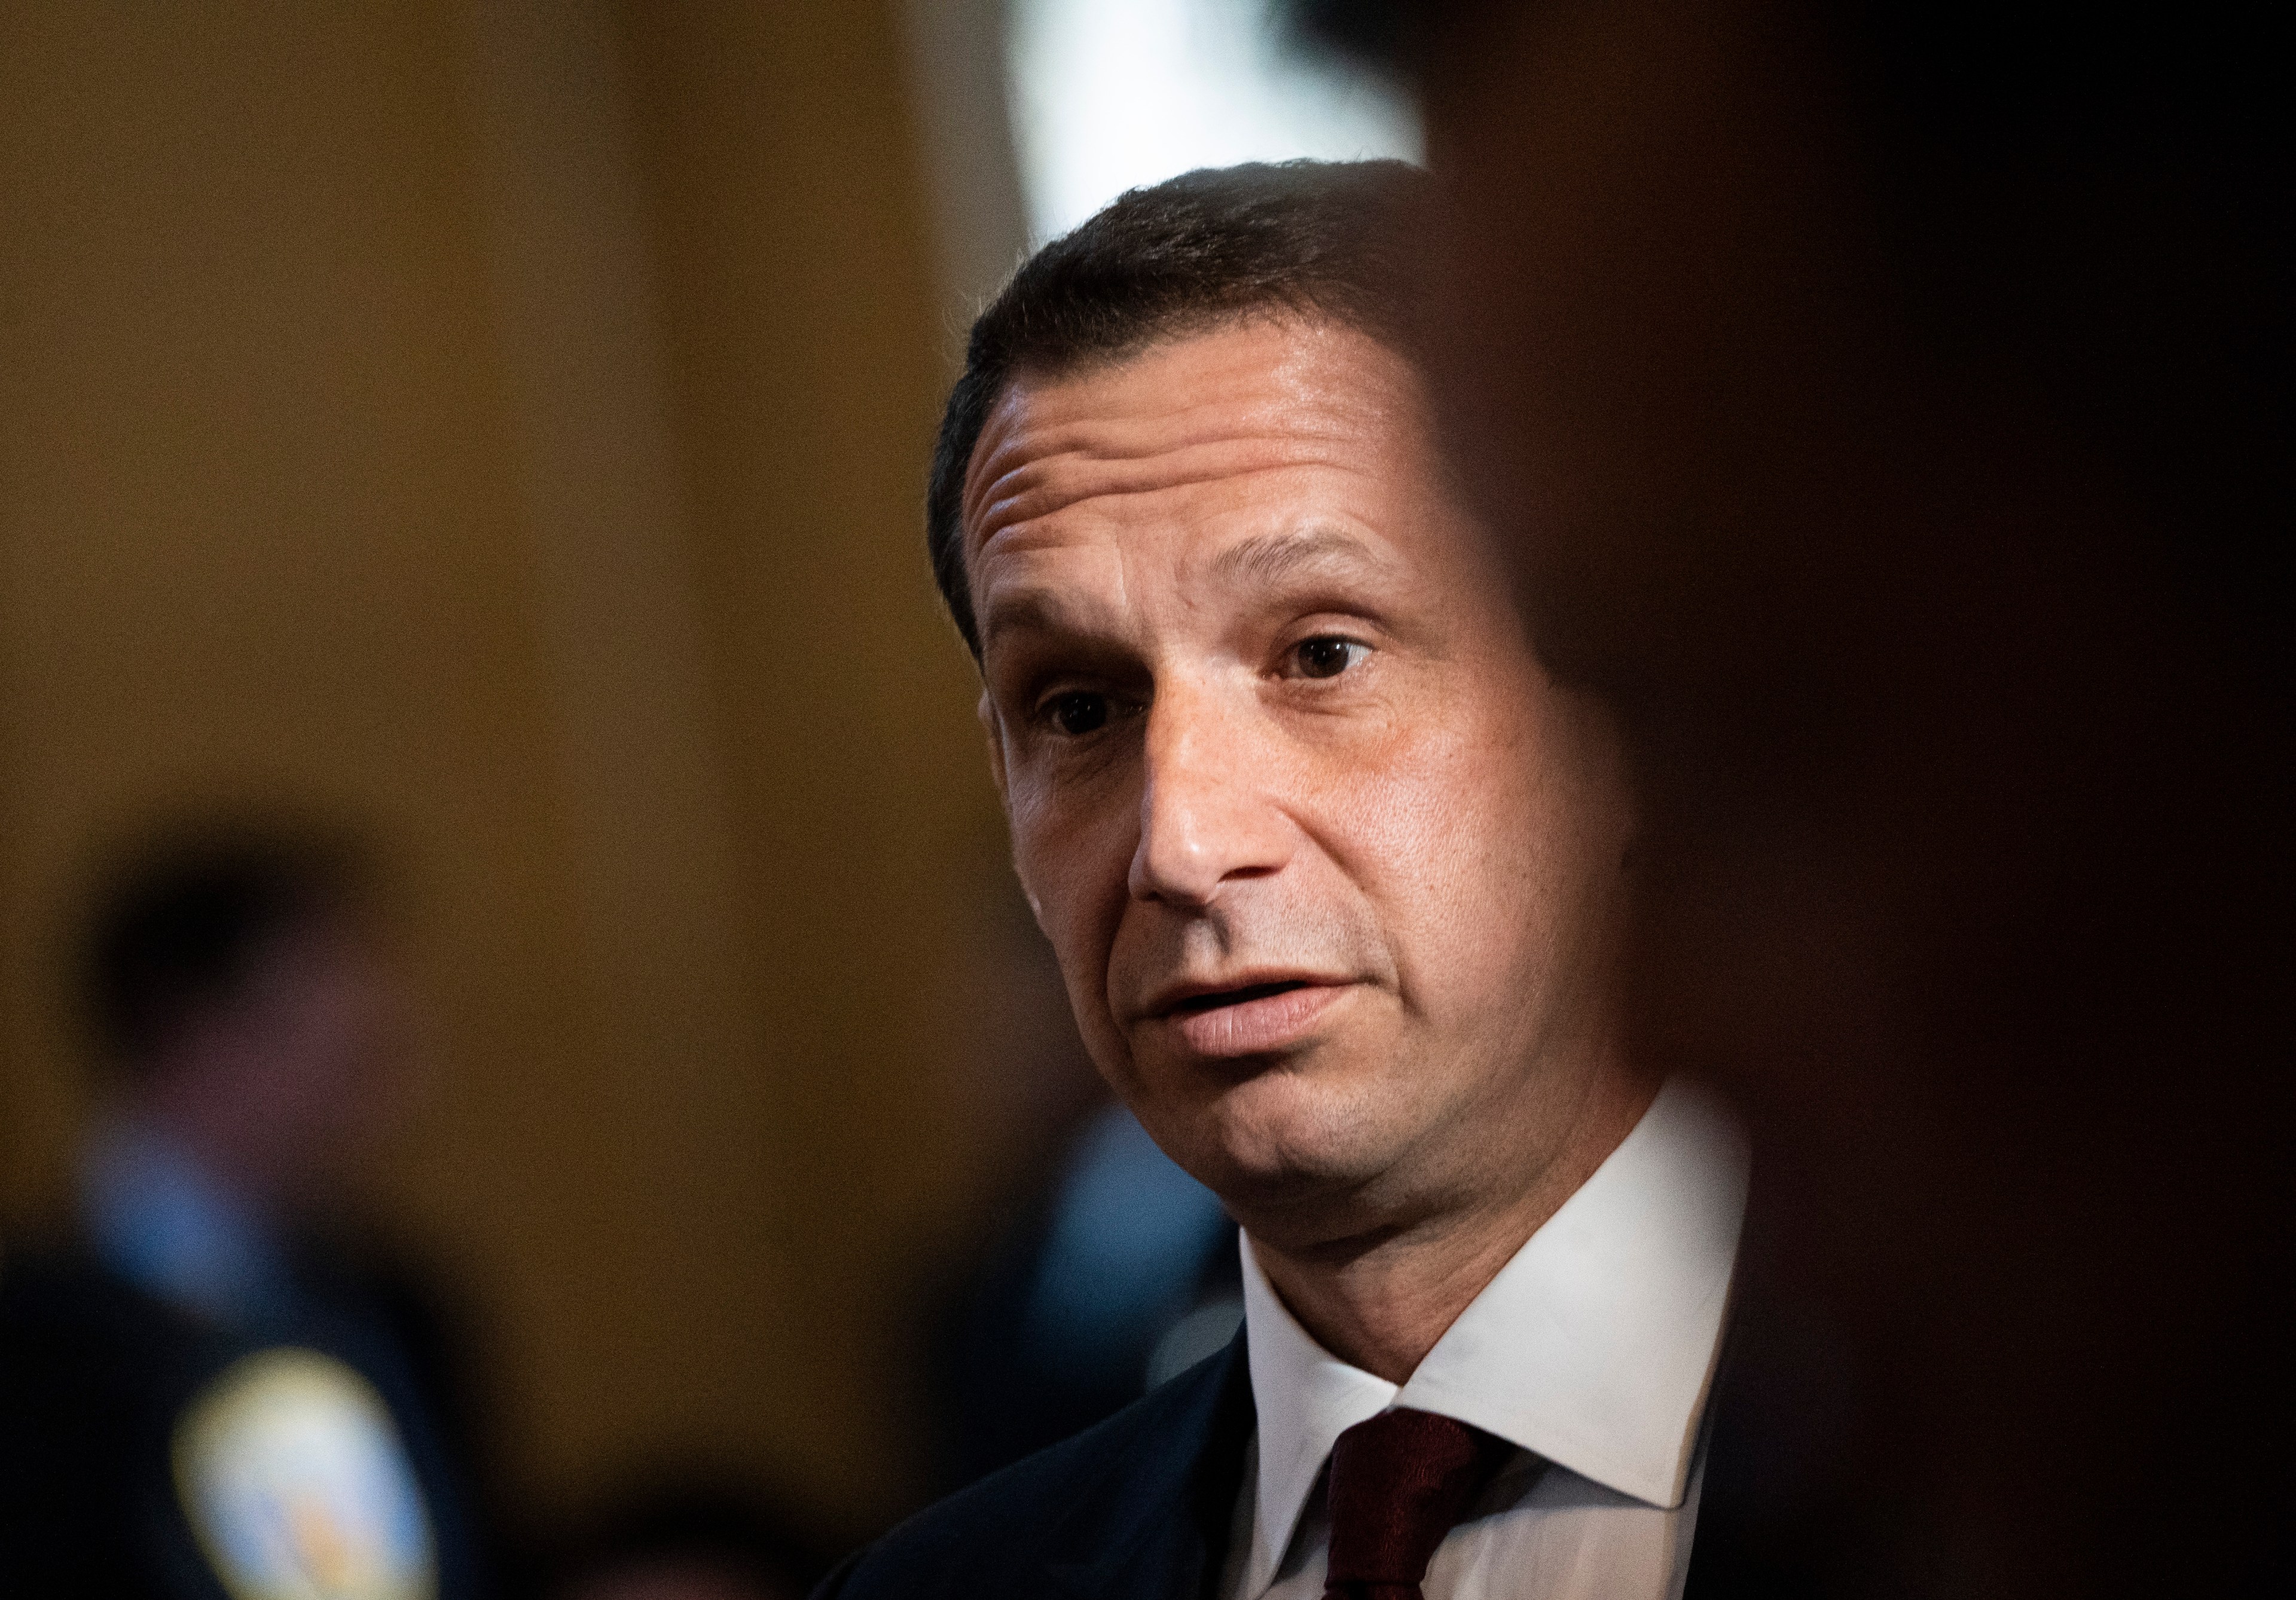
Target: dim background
{"points": [[501, 425]]}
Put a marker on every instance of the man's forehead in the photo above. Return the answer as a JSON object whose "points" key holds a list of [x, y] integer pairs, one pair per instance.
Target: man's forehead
{"points": [[1259, 398]]}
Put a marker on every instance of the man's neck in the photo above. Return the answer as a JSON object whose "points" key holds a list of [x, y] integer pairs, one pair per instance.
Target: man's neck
{"points": [[1382, 1300]]}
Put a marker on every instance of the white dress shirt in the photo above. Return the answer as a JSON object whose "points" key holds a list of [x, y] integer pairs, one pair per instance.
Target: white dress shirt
{"points": [[1591, 1351]]}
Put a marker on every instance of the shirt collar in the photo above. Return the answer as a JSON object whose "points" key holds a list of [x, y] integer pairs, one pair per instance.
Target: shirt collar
{"points": [[1593, 1347]]}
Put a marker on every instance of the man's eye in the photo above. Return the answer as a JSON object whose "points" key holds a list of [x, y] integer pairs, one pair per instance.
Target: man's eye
{"points": [[1077, 713], [1327, 658]]}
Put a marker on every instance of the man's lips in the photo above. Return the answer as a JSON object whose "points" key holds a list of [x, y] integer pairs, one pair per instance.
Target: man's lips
{"points": [[1254, 1017]]}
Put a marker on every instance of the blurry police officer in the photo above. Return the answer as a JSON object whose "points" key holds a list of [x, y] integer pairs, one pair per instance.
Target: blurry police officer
{"points": [[245, 1400]]}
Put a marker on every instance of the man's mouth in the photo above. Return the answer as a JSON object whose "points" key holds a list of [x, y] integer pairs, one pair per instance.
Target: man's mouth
{"points": [[1251, 1019], [1216, 999]]}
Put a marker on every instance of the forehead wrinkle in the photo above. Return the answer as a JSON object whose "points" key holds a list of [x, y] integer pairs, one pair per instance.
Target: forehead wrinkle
{"points": [[1041, 487], [1021, 461], [1265, 560]]}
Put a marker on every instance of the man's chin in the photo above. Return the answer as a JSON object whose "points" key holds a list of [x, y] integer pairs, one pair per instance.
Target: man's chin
{"points": [[1274, 1143]]}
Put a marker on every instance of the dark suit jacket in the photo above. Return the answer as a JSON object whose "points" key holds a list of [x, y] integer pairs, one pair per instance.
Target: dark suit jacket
{"points": [[1138, 1505], [1142, 1506], [93, 1375]]}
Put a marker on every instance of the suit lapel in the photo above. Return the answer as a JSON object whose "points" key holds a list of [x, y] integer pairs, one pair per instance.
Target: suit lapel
{"points": [[1160, 1527]]}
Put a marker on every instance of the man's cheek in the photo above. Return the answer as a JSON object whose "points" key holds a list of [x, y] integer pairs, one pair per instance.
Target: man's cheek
{"points": [[1038, 857]]}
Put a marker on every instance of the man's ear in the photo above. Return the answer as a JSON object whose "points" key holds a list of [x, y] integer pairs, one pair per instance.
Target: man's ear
{"points": [[994, 726]]}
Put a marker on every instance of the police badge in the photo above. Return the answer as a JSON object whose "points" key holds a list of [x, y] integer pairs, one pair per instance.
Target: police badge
{"points": [[295, 1481]]}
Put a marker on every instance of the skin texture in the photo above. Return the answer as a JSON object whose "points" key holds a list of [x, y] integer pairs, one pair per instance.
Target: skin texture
{"points": [[1332, 868]]}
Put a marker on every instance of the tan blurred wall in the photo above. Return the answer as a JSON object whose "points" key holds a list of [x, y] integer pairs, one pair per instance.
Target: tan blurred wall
{"points": [[504, 420]]}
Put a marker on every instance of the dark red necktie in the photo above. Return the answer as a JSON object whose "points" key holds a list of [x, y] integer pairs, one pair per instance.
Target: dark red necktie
{"points": [[1398, 1483]]}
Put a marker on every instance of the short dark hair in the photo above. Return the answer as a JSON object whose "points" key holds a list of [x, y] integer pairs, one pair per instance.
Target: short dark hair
{"points": [[1325, 240], [180, 922]]}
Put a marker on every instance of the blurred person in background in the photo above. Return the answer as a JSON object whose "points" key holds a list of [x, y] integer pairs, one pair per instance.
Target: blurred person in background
{"points": [[1120, 1274], [1106, 1270], [258, 1039], [1333, 872], [1887, 405]]}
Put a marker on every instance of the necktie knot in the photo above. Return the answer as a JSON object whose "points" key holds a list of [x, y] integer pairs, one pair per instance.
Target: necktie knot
{"points": [[1398, 1483]]}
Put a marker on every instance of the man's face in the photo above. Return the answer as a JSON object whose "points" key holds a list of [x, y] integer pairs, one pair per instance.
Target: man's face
{"points": [[1327, 861], [293, 1078]]}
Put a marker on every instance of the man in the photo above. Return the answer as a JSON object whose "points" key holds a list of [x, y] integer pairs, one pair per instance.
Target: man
{"points": [[1888, 405], [1333, 872], [230, 1379]]}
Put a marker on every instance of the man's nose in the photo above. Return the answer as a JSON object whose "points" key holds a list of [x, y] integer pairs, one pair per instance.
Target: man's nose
{"points": [[1206, 812]]}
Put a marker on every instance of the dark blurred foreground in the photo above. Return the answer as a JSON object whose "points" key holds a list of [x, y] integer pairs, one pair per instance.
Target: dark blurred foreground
{"points": [[1888, 405]]}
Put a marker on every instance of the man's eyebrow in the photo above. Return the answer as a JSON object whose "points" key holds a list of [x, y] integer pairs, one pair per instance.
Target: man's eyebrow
{"points": [[1270, 558], [1036, 610]]}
